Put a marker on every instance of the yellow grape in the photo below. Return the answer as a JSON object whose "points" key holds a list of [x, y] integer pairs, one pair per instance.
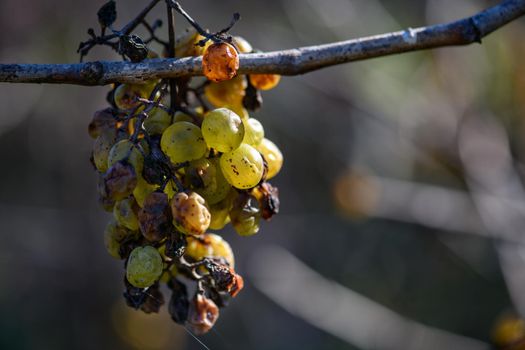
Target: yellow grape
{"points": [[209, 246], [253, 132], [157, 121], [242, 44], [142, 190], [264, 81], [272, 155], [220, 212], [206, 178], [126, 95], [242, 167], [126, 150], [222, 130], [183, 142], [230, 92], [186, 44], [101, 148], [114, 234], [124, 213]]}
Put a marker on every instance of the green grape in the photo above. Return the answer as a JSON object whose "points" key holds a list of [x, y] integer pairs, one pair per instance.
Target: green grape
{"points": [[206, 178], [243, 167], [253, 131], [124, 213], [272, 155], [126, 95], [245, 215], [126, 150], [142, 190], [101, 148], [182, 142], [209, 246], [157, 121], [190, 213], [223, 130], [144, 266], [114, 234]]}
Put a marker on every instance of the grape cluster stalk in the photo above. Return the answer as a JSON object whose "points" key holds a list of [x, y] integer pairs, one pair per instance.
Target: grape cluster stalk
{"points": [[176, 159]]}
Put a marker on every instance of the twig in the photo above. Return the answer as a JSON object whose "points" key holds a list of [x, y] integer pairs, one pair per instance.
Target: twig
{"points": [[86, 46], [216, 37], [128, 28], [287, 62]]}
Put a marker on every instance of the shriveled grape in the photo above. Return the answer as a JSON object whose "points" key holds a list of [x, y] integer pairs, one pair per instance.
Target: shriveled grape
{"points": [[190, 213], [220, 62], [202, 314]]}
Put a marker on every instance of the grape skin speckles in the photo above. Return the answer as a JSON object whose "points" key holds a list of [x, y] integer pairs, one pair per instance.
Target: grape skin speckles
{"points": [[242, 167]]}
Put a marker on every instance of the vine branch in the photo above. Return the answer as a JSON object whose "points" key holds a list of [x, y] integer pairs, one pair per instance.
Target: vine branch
{"points": [[287, 62]]}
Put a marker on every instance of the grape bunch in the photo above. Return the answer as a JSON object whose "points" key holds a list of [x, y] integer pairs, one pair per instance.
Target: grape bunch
{"points": [[176, 161]]}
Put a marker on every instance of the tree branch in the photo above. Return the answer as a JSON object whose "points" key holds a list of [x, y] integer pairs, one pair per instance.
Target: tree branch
{"points": [[286, 62]]}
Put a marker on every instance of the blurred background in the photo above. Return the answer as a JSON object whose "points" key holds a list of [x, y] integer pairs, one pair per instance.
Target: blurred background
{"points": [[402, 197]]}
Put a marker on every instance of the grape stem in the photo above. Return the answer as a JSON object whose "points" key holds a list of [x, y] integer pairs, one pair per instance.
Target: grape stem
{"points": [[86, 46], [287, 62], [215, 37], [153, 37]]}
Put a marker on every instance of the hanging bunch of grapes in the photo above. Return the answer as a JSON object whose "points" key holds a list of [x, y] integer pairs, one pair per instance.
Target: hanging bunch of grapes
{"points": [[178, 160]]}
